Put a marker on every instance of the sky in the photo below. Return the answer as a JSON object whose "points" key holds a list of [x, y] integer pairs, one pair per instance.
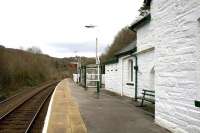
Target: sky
{"points": [[57, 26]]}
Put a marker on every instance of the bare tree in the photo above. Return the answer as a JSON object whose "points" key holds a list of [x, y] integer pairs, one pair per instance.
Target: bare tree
{"points": [[122, 39], [34, 50]]}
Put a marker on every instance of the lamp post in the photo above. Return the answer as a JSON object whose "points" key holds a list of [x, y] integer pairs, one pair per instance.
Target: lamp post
{"points": [[97, 60], [77, 66]]}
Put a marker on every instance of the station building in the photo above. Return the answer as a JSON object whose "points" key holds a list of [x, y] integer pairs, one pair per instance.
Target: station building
{"points": [[165, 58]]}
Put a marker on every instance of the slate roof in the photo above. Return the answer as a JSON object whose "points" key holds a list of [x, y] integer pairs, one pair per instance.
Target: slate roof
{"points": [[141, 20], [128, 49], [112, 61]]}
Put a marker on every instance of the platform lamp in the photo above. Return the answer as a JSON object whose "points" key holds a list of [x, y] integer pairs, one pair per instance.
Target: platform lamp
{"points": [[97, 59], [77, 65]]}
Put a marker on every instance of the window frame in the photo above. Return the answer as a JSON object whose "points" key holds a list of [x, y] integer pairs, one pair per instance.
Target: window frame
{"points": [[130, 70]]}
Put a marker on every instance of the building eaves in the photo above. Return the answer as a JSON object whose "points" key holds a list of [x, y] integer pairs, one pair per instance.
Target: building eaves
{"points": [[129, 49], [142, 20], [111, 61]]}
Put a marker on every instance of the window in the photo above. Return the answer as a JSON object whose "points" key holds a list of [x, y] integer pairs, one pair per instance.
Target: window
{"points": [[130, 70]]}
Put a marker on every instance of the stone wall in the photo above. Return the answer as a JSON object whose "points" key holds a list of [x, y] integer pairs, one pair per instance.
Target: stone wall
{"points": [[176, 35]]}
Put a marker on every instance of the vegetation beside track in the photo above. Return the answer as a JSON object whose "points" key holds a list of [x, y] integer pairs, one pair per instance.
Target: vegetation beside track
{"points": [[20, 69]]}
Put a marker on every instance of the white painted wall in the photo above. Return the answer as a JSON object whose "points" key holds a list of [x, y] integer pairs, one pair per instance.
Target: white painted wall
{"points": [[117, 79], [127, 90], [146, 74], [112, 78], [175, 32], [76, 78], [103, 79]]}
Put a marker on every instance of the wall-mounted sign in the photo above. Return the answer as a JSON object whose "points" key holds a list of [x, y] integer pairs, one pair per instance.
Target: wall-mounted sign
{"points": [[197, 103], [198, 19]]}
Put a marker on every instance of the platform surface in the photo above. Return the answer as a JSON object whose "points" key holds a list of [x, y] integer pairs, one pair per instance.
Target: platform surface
{"points": [[76, 110], [111, 113], [63, 114]]}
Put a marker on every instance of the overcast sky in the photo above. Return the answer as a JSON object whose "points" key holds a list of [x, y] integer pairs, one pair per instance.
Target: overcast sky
{"points": [[57, 26]]}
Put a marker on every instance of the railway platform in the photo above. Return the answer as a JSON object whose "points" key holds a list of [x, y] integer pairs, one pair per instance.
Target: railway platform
{"points": [[74, 109], [63, 114]]}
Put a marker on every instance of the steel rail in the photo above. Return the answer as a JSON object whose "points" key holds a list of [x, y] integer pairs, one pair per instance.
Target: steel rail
{"points": [[35, 112], [38, 111], [21, 92], [15, 107], [11, 97]]}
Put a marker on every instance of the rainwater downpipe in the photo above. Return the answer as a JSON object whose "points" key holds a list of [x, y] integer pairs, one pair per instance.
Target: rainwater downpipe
{"points": [[136, 76]]}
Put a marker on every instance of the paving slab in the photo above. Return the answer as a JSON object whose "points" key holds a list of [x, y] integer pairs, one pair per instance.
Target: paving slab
{"points": [[105, 113]]}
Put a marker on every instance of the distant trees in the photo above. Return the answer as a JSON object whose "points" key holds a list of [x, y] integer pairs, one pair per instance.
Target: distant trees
{"points": [[34, 50], [20, 68], [122, 39], [1, 46], [145, 7]]}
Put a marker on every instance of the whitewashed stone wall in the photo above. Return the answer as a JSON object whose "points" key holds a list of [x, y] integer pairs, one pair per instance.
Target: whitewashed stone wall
{"points": [[146, 73], [146, 57], [175, 32]]}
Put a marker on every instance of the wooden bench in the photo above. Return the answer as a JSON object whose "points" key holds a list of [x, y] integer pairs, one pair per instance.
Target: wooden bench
{"points": [[150, 98]]}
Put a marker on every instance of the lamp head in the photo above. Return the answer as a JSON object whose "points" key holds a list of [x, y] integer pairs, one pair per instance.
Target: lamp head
{"points": [[90, 26]]}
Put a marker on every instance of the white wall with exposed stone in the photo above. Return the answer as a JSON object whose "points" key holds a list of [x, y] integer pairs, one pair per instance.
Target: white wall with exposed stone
{"points": [[175, 33]]}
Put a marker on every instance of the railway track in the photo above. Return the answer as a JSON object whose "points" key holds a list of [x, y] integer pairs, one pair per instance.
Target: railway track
{"points": [[20, 97], [19, 119]]}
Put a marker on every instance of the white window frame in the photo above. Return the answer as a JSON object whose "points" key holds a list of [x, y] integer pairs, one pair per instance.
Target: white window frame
{"points": [[130, 70]]}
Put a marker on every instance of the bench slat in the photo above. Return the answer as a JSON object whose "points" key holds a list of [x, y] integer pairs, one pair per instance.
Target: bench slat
{"points": [[148, 91], [148, 94], [149, 100]]}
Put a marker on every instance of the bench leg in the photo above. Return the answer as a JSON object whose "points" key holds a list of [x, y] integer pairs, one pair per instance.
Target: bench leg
{"points": [[142, 103]]}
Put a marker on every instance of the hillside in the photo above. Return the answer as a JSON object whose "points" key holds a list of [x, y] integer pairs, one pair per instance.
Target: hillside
{"points": [[121, 40], [21, 69]]}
